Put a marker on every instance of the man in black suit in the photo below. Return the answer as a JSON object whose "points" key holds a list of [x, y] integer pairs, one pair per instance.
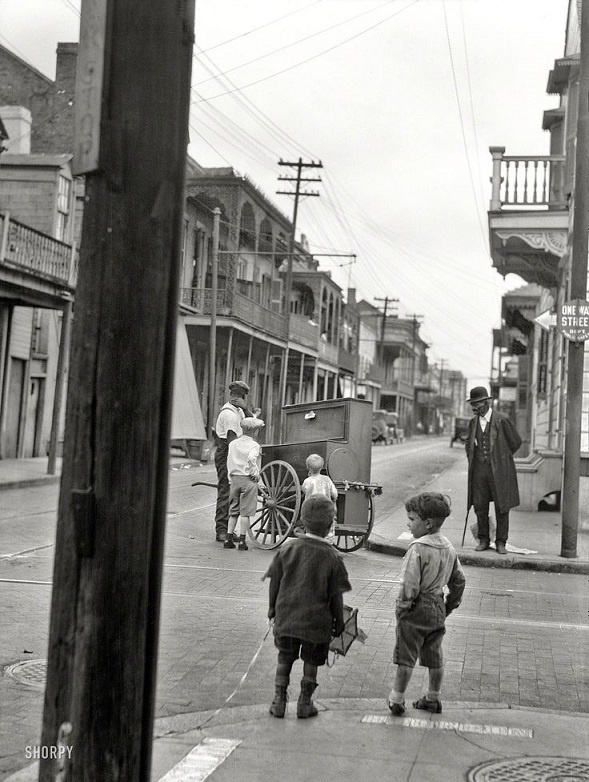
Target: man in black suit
{"points": [[490, 444]]}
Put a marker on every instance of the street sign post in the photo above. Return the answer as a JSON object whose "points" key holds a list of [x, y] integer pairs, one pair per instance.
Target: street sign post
{"points": [[573, 320]]}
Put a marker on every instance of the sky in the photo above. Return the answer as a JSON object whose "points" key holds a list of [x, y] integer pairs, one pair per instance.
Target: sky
{"points": [[400, 100]]}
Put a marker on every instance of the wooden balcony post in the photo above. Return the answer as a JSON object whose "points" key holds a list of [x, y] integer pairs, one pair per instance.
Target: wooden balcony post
{"points": [[4, 238], [496, 179], [213, 329], [61, 374]]}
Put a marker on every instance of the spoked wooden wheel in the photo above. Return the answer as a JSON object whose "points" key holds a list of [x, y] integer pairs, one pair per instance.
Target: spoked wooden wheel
{"points": [[353, 541], [278, 506]]}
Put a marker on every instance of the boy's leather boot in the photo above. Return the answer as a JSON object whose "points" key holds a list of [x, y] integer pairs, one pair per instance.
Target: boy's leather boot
{"points": [[229, 542], [242, 546], [305, 706], [278, 707]]}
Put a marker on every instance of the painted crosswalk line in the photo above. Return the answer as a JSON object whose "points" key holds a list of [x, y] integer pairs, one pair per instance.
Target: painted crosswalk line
{"points": [[201, 761], [460, 727]]}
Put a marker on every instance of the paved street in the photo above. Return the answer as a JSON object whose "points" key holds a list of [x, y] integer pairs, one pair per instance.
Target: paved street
{"points": [[518, 640]]}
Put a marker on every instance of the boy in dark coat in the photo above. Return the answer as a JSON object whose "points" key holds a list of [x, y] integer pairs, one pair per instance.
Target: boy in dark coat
{"points": [[307, 581], [491, 442]]}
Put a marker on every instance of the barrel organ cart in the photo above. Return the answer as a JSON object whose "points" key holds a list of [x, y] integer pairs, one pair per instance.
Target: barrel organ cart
{"points": [[339, 430]]}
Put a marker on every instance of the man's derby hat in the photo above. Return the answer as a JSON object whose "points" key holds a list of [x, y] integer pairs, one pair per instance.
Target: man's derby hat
{"points": [[478, 394]]}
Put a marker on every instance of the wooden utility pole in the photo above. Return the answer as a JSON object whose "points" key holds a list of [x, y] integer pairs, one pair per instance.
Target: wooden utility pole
{"points": [[578, 290], [387, 300], [298, 193], [100, 692]]}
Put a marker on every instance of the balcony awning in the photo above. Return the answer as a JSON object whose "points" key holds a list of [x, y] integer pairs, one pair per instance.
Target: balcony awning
{"points": [[559, 76], [551, 117]]}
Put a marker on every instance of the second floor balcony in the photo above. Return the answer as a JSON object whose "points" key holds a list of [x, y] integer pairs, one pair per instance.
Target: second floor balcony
{"points": [[528, 215], [238, 307], [35, 268]]}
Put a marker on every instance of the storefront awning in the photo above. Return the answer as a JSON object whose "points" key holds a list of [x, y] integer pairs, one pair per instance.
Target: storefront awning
{"points": [[187, 419]]}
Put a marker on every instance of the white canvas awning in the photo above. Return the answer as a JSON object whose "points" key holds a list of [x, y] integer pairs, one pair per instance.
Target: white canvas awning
{"points": [[187, 420]]}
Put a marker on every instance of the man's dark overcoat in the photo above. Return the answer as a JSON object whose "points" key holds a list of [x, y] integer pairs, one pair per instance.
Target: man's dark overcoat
{"points": [[504, 441]]}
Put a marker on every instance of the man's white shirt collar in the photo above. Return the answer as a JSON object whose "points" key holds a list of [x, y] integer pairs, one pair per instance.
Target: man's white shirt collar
{"points": [[486, 418]]}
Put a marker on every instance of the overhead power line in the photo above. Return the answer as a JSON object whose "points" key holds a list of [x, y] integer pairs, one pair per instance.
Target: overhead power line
{"points": [[314, 56]]}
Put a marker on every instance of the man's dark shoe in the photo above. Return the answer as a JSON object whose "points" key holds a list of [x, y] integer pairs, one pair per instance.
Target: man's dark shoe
{"points": [[397, 708], [434, 706], [483, 546], [501, 548], [221, 537]]}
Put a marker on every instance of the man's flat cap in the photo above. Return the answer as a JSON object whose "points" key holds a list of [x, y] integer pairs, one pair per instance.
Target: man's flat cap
{"points": [[239, 385]]}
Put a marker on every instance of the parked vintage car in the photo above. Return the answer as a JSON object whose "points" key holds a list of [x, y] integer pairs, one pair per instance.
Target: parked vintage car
{"points": [[384, 427]]}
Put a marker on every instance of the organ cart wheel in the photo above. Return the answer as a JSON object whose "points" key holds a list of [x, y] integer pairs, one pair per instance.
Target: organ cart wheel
{"points": [[278, 505], [353, 541]]}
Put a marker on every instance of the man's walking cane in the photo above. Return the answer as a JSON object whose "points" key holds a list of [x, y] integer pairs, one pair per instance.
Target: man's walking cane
{"points": [[465, 523]]}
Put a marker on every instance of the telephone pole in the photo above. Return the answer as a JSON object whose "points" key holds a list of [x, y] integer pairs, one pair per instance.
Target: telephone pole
{"points": [[387, 300], [105, 605], [578, 290], [299, 165]]}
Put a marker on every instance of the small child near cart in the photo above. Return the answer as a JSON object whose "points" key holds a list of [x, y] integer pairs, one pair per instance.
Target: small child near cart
{"points": [[430, 565], [243, 468], [307, 582], [316, 483]]}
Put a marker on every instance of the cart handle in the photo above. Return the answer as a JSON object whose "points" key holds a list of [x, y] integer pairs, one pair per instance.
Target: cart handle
{"points": [[374, 488]]}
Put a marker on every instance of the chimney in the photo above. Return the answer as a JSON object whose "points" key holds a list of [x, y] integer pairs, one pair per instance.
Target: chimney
{"points": [[65, 69], [17, 122], [61, 132], [351, 296]]}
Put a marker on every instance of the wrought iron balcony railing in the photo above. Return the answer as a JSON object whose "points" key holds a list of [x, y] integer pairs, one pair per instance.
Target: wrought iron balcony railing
{"points": [[26, 248], [236, 306]]}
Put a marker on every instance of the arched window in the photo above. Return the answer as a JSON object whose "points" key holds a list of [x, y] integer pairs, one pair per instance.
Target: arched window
{"points": [[247, 227], [330, 319], [265, 239], [324, 313]]}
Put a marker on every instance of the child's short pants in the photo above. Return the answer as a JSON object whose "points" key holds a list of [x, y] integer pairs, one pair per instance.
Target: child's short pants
{"points": [[420, 632], [243, 496], [289, 647]]}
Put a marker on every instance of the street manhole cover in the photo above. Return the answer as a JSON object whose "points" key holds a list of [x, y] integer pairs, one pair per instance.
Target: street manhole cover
{"points": [[32, 673], [532, 770]]}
